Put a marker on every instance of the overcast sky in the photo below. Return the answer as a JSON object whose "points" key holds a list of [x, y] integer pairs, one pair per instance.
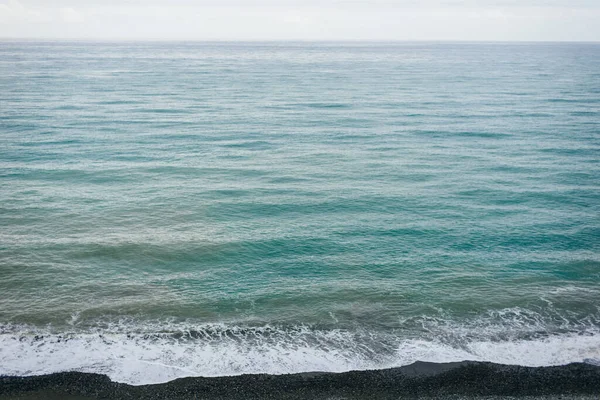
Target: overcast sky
{"points": [[503, 20]]}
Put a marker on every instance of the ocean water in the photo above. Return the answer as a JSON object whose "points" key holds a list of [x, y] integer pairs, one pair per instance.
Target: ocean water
{"points": [[187, 209]]}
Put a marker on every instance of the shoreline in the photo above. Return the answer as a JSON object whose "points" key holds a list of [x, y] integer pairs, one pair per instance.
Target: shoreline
{"points": [[458, 380]]}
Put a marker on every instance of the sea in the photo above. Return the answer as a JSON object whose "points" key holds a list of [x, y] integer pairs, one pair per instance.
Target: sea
{"points": [[174, 209]]}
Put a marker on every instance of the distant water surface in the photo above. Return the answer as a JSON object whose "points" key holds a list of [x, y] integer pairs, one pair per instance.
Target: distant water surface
{"points": [[176, 209]]}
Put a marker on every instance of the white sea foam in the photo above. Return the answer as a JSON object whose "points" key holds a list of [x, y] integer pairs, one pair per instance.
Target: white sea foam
{"points": [[216, 351]]}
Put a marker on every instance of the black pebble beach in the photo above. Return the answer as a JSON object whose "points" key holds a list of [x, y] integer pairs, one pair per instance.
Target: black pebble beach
{"points": [[463, 380]]}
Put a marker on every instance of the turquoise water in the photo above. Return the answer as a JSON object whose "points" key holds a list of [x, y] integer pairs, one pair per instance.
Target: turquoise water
{"points": [[175, 209]]}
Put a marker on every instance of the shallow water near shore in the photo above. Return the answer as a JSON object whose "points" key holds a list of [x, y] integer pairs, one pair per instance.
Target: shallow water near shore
{"points": [[209, 209]]}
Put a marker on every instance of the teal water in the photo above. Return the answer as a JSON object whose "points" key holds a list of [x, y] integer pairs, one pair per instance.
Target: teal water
{"points": [[175, 209]]}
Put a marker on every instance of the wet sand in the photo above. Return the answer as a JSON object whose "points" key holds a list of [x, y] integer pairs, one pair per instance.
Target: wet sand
{"points": [[464, 380]]}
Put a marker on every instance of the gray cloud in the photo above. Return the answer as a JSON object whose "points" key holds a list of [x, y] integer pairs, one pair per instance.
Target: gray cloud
{"points": [[302, 19]]}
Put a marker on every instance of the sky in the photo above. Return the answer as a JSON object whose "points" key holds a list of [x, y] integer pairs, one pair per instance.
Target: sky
{"points": [[483, 20]]}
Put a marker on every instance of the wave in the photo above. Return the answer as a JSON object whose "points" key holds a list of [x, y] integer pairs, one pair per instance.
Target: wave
{"points": [[155, 354]]}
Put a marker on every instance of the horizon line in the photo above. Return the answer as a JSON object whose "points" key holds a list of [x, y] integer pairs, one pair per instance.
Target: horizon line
{"points": [[181, 40]]}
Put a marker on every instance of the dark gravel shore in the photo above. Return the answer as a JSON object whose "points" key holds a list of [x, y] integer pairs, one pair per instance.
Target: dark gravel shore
{"points": [[463, 380]]}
